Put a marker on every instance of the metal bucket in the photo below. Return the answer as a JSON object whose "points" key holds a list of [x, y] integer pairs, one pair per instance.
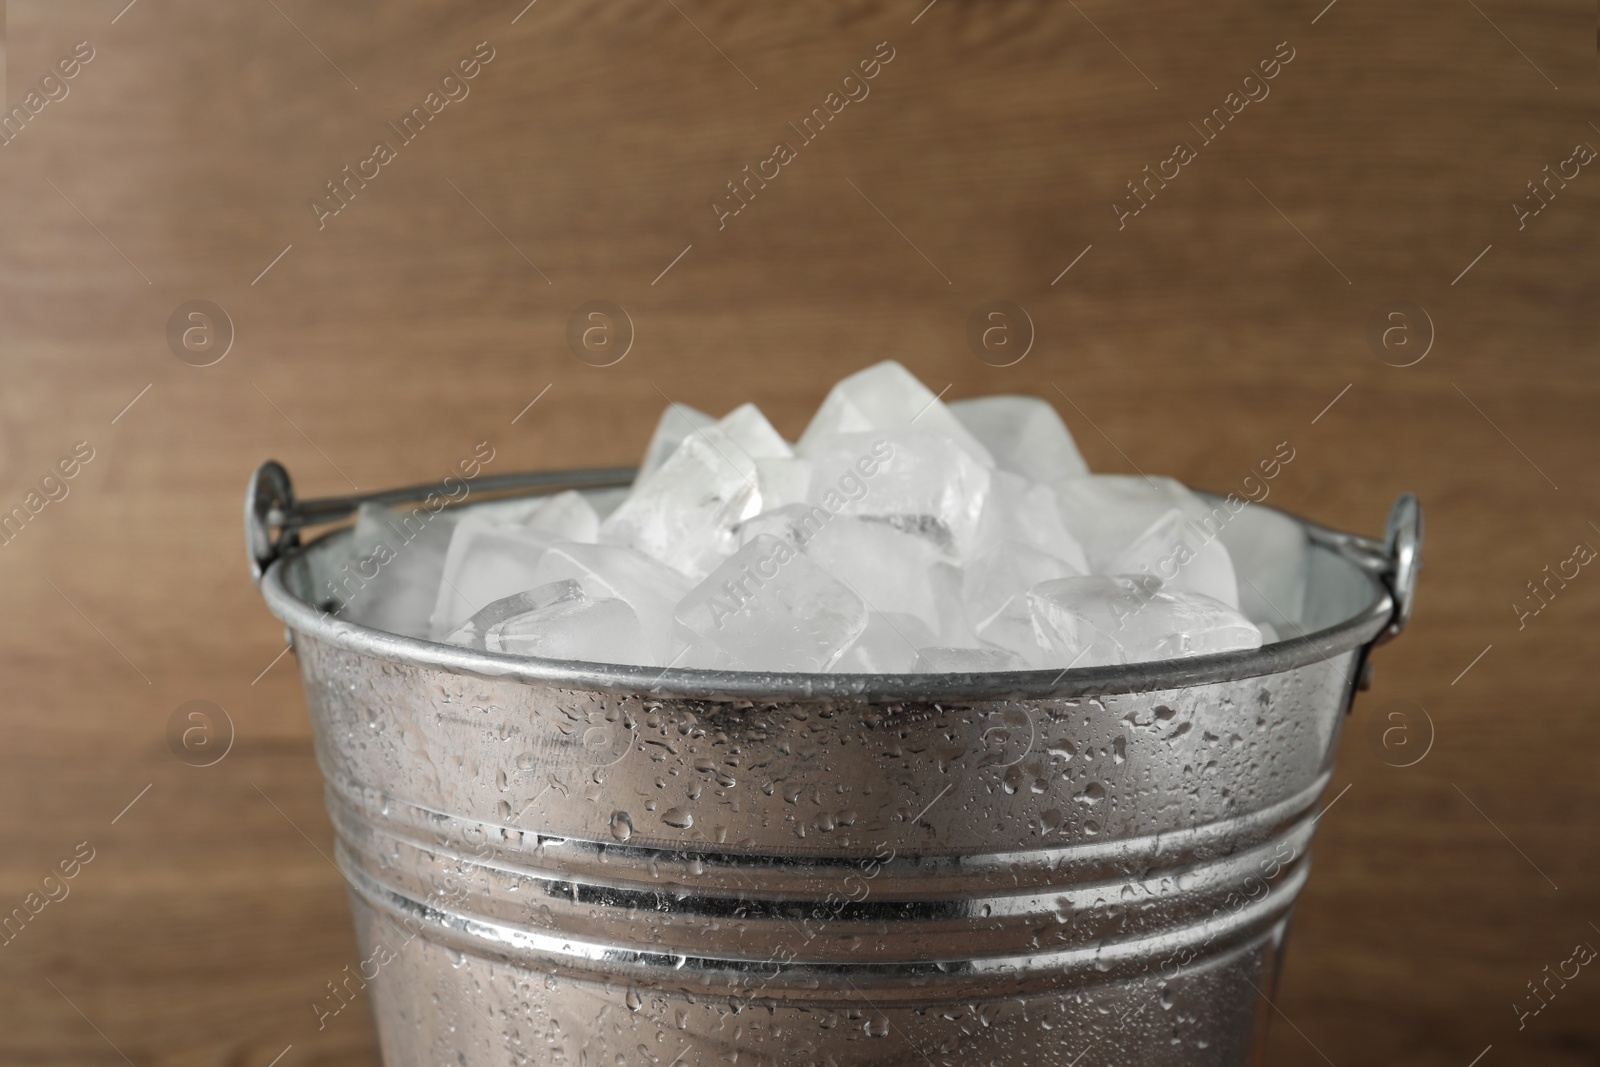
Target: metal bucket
{"points": [[578, 864]]}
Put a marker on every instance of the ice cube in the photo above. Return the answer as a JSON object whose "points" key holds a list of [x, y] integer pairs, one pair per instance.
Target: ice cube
{"points": [[781, 482], [1024, 434], [564, 516], [557, 621], [885, 398], [1012, 629], [605, 501], [966, 661], [677, 422], [1071, 616], [884, 566], [1176, 553], [1023, 511], [471, 633], [650, 588], [486, 561], [888, 645], [747, 428], [770, 608], [1105, 512], [696, 653], [1120, 619], [684, 513], [795, 524], [392, 582], [917, 481], [1005, 571], [1269, 552], [947, 582]]}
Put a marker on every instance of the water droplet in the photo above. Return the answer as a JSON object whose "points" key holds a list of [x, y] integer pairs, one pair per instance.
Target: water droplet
{"points": [[621, 826], [877, 1026], [1092, 794], [677, 817], [633, 1000]]}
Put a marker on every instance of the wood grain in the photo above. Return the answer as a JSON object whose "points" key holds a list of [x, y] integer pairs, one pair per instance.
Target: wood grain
{"points": [[1220, 320]]}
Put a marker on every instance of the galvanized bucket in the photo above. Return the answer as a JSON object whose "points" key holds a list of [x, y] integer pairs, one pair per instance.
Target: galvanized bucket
{"points": [[581, 864]]}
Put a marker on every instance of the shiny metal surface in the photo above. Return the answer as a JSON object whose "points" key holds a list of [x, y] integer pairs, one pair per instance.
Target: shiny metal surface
{"points": [[557, 863]]}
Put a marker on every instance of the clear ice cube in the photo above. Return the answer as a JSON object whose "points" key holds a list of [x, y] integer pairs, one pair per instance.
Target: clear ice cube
{"points": [[1175, 552], [795, 524], [557, 621], [747, 428], [677, 422], [948, 582], [650, 588], [1012, 629], [684, 513], [1006, 571], [888, 645], [1103, 619], [919, 482], [1105, 512], [1024, 434], [886, 398], [397, 557], [781, 482], [605, 501], [472, 633], [1022, 511], [770, 608], [885, 567], [486, 561], [567, 516], [1269, 552]]}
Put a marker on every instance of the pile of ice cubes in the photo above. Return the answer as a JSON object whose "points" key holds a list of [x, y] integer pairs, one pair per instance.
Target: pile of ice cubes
{"points": [[899, 534]]}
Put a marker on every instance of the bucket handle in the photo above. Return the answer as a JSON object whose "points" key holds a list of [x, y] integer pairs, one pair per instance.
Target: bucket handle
{"points": [[273, 518], [1396, 560], [1403, 547]]}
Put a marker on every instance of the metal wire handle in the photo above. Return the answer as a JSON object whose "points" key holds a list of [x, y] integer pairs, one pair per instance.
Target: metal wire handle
{"points": [[273, 520]]}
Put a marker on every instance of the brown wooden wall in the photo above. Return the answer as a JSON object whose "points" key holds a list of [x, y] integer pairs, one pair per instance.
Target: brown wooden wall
{"points": [[1380, 164]]}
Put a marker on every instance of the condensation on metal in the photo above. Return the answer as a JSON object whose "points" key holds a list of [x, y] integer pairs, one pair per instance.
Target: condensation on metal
{"points": [[555, 863]]}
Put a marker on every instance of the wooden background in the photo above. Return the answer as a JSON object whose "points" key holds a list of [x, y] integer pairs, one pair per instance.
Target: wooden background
{"points": [[1224, 319]]}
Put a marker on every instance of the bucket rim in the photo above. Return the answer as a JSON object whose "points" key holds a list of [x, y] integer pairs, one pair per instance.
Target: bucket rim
{"points": [[1324, 645]]}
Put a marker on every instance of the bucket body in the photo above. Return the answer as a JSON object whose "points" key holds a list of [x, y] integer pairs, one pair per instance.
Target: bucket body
{"points": [[581, 865]]}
